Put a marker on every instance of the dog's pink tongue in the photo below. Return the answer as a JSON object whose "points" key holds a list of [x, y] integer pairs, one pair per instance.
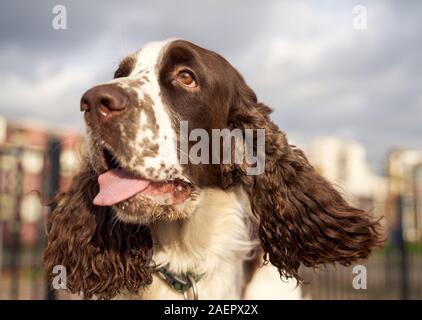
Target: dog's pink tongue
{"points": [[117, 185]]}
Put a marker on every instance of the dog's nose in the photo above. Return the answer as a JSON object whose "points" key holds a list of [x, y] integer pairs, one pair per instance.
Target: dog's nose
{"points": [[107, 99]]}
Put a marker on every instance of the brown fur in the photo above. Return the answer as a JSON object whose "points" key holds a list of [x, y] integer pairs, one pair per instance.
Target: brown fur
{"points": [[125, 67], [103, 256], [303, 219]]}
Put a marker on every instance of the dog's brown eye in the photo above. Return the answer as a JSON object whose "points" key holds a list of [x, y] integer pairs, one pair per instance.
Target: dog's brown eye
{"points": [[186, 78]]}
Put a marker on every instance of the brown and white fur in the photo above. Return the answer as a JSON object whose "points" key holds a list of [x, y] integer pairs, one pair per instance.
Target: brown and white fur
{"points": [[217, 220]]}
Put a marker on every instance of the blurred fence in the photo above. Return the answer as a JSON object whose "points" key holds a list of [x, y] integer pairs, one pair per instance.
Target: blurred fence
{"points": [[386, 279], [26, 280]]}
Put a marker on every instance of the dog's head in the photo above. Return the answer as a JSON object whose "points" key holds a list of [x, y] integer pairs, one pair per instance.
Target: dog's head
{"points": [[134, 129], [143, 132]]}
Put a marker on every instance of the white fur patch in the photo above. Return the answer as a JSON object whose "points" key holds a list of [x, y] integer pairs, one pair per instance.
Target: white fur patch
{"points": [[214, 241], [147, 59], [146, 71], [266, 285]]}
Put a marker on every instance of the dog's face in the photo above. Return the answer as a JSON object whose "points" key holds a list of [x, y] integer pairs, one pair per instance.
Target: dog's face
{"points": [[134, 135]]}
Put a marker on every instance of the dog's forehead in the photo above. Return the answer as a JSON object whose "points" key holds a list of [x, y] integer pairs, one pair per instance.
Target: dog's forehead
{"points": [[150, 54], [147, 57]]}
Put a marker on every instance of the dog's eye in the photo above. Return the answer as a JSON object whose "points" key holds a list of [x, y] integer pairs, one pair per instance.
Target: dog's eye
{"points": [[186, 78]]}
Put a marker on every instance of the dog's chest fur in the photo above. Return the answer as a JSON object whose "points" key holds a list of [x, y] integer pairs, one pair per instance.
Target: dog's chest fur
{"points": [[215, 242]]}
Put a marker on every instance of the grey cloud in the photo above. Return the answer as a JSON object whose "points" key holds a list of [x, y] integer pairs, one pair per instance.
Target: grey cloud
{"points": [[381, 66], [367, 84]]}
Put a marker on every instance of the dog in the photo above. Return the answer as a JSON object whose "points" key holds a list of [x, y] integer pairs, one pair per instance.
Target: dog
{"points": [[137, 221]]}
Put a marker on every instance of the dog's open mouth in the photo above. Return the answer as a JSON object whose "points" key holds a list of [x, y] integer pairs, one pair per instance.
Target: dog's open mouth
{"points": [[117, 185]]}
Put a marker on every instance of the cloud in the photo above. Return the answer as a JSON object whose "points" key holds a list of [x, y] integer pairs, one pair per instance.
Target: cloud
{"points": [[29, 98], [304, 59], [325, 78]]}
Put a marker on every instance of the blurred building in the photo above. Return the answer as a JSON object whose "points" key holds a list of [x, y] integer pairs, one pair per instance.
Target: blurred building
{"points": [[21, 166], [24, 167], [344, 163], [31, 155], [404, 169]]}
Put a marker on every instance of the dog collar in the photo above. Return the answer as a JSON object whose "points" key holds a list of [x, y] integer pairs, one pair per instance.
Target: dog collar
{"points": [[181, 282]]}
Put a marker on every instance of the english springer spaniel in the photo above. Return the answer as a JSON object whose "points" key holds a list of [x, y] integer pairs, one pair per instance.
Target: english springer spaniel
{"points": [[137, 221]]}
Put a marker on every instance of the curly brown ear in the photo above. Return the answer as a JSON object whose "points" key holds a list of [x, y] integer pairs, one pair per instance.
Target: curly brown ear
{"points": [[303, 219], [102, 256]]}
